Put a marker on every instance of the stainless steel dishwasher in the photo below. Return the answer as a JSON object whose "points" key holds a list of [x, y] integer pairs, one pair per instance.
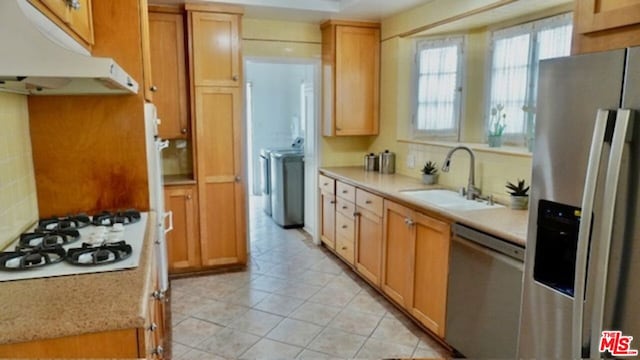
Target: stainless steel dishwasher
{"points": [[483, 297]]}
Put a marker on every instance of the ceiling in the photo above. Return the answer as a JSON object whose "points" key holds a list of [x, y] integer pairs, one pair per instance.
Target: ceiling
{"points": [[318, 10]]}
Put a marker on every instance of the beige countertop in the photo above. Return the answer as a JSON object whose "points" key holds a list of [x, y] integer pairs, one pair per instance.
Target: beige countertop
{"points": [[77, 304], [505, 223], [172, 180]]}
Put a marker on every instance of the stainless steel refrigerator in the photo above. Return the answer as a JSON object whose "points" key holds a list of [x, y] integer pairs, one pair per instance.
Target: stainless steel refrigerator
{"points": [[583, 244]]}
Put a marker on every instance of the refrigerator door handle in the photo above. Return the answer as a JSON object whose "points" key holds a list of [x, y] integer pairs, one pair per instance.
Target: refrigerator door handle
{"points": [[584, 232], [623, 120]]}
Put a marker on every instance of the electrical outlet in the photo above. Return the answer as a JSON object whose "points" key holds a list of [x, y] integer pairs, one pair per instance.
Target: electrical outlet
{"points": [[411, 161]]}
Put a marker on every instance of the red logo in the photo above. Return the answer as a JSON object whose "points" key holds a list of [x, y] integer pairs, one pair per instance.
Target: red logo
{"points": [[617, 344]]}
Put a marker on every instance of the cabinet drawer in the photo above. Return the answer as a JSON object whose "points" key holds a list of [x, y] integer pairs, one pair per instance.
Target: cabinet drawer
{"points": [[345, 191], [345, 227], [345, 248], [368, 201], [327, 184], [346, 208]]}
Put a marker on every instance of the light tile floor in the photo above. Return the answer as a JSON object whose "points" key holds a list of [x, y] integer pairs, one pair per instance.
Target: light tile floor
{"points": [[295, 300]]}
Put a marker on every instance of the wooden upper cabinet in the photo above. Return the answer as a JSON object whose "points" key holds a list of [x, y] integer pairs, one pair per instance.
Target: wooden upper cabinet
{"points": [[73, 16], [599, 15], [601, 25], [351, 78], [168, 64], [216, 49]]}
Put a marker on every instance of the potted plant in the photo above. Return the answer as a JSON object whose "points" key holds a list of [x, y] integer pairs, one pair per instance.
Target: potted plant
{"points": [[430, 173], [496, 126], [519, 195]]}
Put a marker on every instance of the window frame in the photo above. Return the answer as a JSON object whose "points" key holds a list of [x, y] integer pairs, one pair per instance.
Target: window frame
{"points": [[431, 43], [532, 28]]}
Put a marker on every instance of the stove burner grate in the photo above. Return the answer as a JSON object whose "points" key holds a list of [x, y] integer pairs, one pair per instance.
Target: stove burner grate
{"points": [[31, 258], [47, 238], [108, 253], [107, 218], [78, 221]]}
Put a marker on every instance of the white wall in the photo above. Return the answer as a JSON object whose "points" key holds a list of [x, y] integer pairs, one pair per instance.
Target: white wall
{"points": [[275, 110]]}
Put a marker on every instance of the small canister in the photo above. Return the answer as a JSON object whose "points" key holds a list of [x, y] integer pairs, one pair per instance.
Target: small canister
{"points": [[387, 162], [371, 162]]}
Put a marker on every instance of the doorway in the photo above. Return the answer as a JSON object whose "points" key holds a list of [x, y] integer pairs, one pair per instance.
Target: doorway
{"points": [[281, 105]]}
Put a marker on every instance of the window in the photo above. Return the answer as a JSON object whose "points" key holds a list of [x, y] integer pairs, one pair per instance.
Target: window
{"points": [[514, 70], [438, 70]]}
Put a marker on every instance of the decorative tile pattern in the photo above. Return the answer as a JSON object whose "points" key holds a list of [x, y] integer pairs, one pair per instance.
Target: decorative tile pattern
{"points": [[295, 300]]}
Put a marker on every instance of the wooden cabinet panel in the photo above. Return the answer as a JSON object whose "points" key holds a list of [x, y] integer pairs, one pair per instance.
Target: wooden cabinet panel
{"points": [[347, 208], [147, 73], [345, 227], [430, 264], [368, 257], [369, 201], [345, 248], [599, 15], [75, 19], [327, 184], [328, 221], [222, 199], [601, 25], [397, 250], [357, 80], [168, 64], [216, 49], [183, 243], [346, 191], [350, 78]]}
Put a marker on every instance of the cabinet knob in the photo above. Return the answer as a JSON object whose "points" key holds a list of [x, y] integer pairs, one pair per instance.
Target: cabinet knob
{"points": [[409, 222], [368, 202], [344, 248], [237, 179], [338, 129], [344, 226], [74, 4], [344, 207], [153, 327], [158, 295], [356, 213], [183, 130], [332, 202], [345, 191], [153, 88], [158, 350], [188, 196], [325, 184], [234, 77]]}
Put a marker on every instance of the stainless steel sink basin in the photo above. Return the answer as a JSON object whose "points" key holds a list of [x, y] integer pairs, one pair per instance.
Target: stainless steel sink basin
{"points": [[448, 199]]}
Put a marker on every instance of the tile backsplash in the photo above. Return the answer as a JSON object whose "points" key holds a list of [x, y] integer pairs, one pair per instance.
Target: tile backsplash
{"points": [[18, 199]]}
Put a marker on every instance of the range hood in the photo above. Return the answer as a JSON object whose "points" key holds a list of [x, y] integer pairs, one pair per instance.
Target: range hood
{"points": [[38, 58]]}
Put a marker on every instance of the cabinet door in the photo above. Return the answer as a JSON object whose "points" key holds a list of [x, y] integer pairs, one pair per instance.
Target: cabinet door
{"points": [[222, 199], [80, 20], [216, 50], [599, 15], [328, 211], [166, 33], [397, 250], [430, 269], [368, 245], [357, 80], [182, 243]]}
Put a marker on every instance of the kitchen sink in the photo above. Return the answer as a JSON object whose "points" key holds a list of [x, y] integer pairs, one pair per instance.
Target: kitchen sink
{"points": [[448, 199]]}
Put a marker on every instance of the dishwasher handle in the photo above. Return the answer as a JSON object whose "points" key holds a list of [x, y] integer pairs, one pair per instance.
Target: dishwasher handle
{"points": [[508, 260], [488, 241]]}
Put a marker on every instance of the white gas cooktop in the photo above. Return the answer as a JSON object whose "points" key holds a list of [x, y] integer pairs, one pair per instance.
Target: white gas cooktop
{"points": [[133, 234]]}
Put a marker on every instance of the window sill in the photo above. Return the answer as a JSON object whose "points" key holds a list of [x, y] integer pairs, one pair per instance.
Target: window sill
{"points": [[520, 151]]}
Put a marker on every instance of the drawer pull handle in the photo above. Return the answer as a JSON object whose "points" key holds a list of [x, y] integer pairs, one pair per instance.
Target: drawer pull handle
{"points": [[345, 191], [344, 207], [368, 202], [332, 202], [344, 248], [344, 226], [325, 184]]}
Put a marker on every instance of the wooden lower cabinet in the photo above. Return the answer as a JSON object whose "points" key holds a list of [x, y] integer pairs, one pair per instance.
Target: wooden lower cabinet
{"points": [[430, 263], [219, 140], [416, 264], [368, 252], [397, 252], [345, 237], [328, 221], [183, 242]]}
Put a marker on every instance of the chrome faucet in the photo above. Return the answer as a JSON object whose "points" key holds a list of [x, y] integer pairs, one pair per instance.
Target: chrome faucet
{"points": [[472, 191]]}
